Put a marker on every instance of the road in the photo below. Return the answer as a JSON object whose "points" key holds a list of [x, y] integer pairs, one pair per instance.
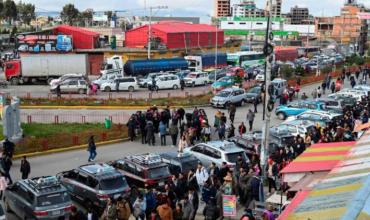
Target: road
{"points": [[55, 163]]}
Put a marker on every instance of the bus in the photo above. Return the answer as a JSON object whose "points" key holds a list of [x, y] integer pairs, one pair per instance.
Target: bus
{"points": [[245, 59], [308, 51]]}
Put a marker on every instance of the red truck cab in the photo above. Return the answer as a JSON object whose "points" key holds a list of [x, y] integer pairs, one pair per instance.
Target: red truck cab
{"points": [[12, 71]]}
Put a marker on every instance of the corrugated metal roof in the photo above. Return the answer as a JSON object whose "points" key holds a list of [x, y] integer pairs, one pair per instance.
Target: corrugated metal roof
{"points": [[180, 27], [78, 29]]}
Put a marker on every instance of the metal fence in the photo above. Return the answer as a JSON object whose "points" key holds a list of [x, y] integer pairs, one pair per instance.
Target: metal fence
{"points": [[89, 117]]}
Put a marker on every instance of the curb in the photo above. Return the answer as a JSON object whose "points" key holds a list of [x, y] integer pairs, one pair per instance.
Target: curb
{"points": [[60, 150]]}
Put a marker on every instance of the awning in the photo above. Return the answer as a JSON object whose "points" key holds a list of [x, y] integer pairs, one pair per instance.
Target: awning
{"points": [[362, 127], [309, 180]]}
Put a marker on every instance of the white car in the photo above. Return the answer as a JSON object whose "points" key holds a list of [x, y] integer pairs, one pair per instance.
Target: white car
{"points": [[297, 127], [314, 115], [72, 85], [125, 84], [143, 82], [357, 94], [55, 82], [260, 77], [166, 82], [196, 79], [107, 77], [365, 88]]}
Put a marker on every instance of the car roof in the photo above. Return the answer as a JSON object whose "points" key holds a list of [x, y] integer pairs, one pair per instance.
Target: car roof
{"points": [[278, 80], [144, 160], [305, 123], [177, 156], [98, 170], [320, 112], [225, 146], [231, 89], [43, 185]]}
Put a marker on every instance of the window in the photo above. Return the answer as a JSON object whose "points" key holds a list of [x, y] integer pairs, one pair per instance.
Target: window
{"points": [[230, 22], [242, 23], [113, 183], [82, 179], [82, 82], [53, 199], [73, 83], [198, 149]]}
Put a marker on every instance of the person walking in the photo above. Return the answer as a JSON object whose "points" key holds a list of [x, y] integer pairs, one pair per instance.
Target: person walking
{"points": [[131, 125], [232, 111], [323, 86], [110, 212], [149, 128], [58, 91], [255, 104], [7, 164], [182, 144], [221, 131], [250, 119], [123, 209], [202, 175], [8, 148], [25, 168], [332, 87], [206, 132], [91, 148], [242, 129], [162, 133], [174, 131]]}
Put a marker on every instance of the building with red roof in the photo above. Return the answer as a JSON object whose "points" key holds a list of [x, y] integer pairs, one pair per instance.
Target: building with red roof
{"points": [[175, 35], [82, 38]]}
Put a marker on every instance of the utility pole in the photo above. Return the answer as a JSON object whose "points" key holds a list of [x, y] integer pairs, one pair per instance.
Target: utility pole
{"points": [[216, 51], [268, 51], [150, 26]]}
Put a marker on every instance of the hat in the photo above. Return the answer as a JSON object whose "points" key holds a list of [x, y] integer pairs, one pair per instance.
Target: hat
{"points": [[228, 178]]}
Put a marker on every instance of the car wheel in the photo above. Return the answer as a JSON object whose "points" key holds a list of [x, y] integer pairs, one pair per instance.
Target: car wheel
{"points": [[107, 89], [175, 87], [14, 81], [242, 102], [49, 80], [131, 89], [281, 116], [81, 91]]}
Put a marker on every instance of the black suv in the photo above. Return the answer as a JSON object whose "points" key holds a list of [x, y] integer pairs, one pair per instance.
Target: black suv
{"points": [[94, 184], [146, 169], [38, 198], [179, 162]]}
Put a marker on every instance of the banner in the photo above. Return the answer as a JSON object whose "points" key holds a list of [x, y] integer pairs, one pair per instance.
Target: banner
{"points": [[229, 205]]}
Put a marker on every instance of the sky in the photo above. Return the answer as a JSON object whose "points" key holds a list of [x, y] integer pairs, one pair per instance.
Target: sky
{"points": [[198, 8]]}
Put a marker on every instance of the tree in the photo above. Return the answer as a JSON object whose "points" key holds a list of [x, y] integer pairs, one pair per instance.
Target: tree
{"points": [[69, 14], [26, 12], [10, 10], [86, 16], [286, 71]]}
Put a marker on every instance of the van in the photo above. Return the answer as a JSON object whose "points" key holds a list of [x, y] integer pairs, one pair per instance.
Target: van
{"points": [[279, 86]]}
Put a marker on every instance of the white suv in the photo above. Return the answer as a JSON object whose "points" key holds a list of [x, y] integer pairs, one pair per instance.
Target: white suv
{"points": [[125, 84], [196, 79], [166, 82]]}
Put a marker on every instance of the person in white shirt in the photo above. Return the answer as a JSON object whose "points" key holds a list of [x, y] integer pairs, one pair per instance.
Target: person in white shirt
{"points": [[202, 176]]}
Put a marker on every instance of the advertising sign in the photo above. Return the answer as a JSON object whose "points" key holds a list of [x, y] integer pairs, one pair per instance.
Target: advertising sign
{"points": [[229, 205]]}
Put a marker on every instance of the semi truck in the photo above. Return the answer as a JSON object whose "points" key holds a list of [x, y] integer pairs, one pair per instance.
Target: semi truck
{"points": [[143, 67], [34, 68], [202, 62]]}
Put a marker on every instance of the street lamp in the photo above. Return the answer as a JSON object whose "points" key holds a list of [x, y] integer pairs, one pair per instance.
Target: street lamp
{"points": [[150, 26]]}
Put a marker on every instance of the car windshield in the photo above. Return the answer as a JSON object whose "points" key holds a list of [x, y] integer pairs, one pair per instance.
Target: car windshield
{"points": [[233, 157], [188, 165], [112, 183], [224, 79], [158, 172], [254, 90], [223, 94], [53, 199]]}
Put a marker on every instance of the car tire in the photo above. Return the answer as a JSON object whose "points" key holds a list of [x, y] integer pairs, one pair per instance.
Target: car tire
{"points": [[107, 89], [281, 115], [242, 102], [175, 87], [81, 91], [14, 81], [49, 80], [131, 89]]}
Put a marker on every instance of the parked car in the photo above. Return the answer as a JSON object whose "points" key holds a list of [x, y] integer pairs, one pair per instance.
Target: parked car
{"points": [[55, 82], [295, 108], [281, 139], [229, 96], [166, 82], [196, 79], [315, 116], [279, 86], [182, 73], [219, 74], [125, 84], [254, 93], [111, 75], [365, 88], [336, 105], [296, 127], [94, 184], [143, 82], [179, 162], [217, 152], [72, 85], [224, 82], [145, 169], [38, 198]]}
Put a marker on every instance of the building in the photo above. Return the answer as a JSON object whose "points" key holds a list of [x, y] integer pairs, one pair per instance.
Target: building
{"points": [[140, 21], [221, 8], [300, 15], [247, 8], [276, 8], [324, 27], [173, 34]]}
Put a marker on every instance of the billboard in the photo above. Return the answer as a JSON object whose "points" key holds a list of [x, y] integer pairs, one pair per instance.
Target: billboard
{"points": [[364, 15]]}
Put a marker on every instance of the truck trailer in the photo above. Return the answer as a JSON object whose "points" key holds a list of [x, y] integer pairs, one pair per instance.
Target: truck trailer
{"points": [[202, 62], [34, 68], [143, 67]]}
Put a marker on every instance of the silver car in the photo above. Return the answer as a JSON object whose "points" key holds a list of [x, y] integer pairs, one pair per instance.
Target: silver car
{"points": [[229, 96], [73, 85], [218, 152]]}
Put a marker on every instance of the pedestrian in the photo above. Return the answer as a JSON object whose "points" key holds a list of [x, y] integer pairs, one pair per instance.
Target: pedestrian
{"points": [[182, 143], [91, 148], [314, 94], [131, 126], [110, 211], [165, 211], [242, 129], [332, 87], [206, 132], [323, 86], [139, 207], [8, 148], [232, 111], [123, 209], [202, 176], [272, 171], [221, 131], [211, 211], [162, 133], [255, 104], [187, 208], [231, 131], [173, 131], [178, 213], [182, 84], [150, 138], [250, 119], [151, 200], [247, 215], [58, 91], [25, 168], [117, 85], [92, 214], [304, 96], [3, 184], [318, 92], [7, 164], [76, 214], [194, 201]]}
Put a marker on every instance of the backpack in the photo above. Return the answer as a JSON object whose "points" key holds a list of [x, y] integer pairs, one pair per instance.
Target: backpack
{"points": [[211, 212]]}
